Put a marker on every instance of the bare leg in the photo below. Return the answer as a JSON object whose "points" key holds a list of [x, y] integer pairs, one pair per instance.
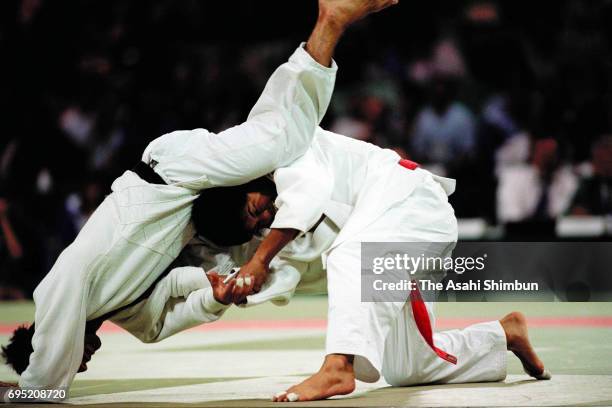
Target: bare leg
{"points": [[515, 327], [335, 377]]}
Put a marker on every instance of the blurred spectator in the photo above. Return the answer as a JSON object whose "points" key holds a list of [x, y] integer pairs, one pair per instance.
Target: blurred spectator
{"points": [[594, 195], [20, 253], [77, 125], [446, 60], [369, 111], [444, 132], [367, 120], [12, 254], [497, 112], [352, 127], [514, 151], [79, 206], [539, 190]]}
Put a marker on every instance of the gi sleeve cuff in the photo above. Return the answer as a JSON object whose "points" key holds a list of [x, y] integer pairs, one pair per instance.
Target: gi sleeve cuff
{"points": [[282, 224], [303, 58], [210, 304]]}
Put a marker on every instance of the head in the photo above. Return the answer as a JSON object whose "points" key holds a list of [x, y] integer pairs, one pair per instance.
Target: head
{"points": [[443, 89], [91, 344], [17, 353], [229, 216]]}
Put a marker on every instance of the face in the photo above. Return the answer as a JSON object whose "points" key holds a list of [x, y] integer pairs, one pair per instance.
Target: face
{"points": [[259, 212]]}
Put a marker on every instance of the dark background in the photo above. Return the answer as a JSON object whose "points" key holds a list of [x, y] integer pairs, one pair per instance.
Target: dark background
{"points": [[86, 85]]}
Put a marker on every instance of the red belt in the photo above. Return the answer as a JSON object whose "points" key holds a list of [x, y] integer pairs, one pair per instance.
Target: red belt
{"points": [[409, 164], [421, 317], [419, 310]]}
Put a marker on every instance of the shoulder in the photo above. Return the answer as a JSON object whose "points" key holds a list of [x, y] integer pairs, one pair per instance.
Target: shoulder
{"points": [[173, 143]]}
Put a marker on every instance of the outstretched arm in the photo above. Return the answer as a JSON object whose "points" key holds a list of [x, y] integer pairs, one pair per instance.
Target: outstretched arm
{"points": [[280, 126], [185, 298]]}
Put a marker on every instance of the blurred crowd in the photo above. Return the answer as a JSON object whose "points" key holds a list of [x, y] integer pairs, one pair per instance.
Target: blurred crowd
{"points": [[511, 98]]}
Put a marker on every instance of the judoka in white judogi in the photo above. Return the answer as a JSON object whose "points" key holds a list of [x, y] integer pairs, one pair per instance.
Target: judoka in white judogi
{"points": [[364, 195], [140, 228], [369, 197]]}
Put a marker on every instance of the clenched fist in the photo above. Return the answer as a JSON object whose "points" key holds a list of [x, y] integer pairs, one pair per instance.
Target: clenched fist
{"points": [[221, 291], [346, 12]]}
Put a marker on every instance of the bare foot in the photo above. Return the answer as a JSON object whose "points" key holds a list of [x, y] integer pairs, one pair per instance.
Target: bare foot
{"points": [[336, 377], [517, 338]]}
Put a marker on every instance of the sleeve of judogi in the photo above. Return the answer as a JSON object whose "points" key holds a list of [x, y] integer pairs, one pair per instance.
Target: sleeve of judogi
{"points": [[281, 283], [278, 130], [59, 334], [303, 189], [183, 299]]}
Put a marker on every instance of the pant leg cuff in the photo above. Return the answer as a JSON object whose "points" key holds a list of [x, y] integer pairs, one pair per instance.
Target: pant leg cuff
{"points": [[500, 348], [367, 363]]}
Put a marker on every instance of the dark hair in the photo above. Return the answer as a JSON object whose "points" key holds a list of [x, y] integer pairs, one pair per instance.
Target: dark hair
{"points": [[17, 353], [218, 213]]}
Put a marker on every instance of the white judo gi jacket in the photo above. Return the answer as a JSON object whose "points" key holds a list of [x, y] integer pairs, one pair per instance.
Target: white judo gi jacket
{"points": [[140, 228], [350, 182]]}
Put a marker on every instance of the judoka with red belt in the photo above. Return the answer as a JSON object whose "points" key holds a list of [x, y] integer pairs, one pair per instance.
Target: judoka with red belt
{"points": [[341, 193]]}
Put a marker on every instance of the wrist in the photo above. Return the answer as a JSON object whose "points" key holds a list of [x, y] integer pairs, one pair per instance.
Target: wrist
{"points": [[220, 301], [214, 305], [262, 259], [332, 21]]}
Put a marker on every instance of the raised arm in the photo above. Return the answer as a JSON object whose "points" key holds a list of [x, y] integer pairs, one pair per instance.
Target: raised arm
{"points": [[277, 131], [334, 17], [280, 126]]}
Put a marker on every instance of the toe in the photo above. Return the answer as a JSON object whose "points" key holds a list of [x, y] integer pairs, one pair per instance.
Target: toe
{"points": [[544, 376], [278, 396]]}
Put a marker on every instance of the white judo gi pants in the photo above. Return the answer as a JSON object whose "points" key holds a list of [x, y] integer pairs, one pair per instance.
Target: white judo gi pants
{"points": [[383, 336]]}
